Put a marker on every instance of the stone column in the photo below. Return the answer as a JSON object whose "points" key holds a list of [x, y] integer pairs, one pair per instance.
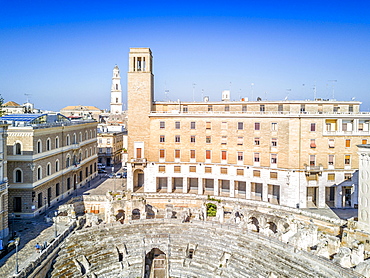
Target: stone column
{"points": [[215, 187], [184, 185], [265, 192], [248, 189], [232, 188], [321, 201], [200, 186], [169, 185]]}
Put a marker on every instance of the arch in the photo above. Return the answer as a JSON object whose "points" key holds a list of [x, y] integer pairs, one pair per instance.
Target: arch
{"points": [[68, 161], [39, 173], [90, 151], [138, 178], [39, 146], [273, 227], [120, 216], [56, 142], [150, 214], [18, 175], [80, 136], [86, 135], [80, 156], [155, 264], [17, 148], [48, 144], [74, 138], [135, 214], [86, 153], [91, 134], [48, 169], [254, 224], [68, 140], [57, 165]]}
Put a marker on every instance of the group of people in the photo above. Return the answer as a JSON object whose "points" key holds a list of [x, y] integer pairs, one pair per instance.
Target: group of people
{"points": [[40, 248]]}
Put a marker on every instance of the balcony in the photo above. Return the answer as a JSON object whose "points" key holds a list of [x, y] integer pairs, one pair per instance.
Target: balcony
{"points": [[313, 169], [138, 162]]}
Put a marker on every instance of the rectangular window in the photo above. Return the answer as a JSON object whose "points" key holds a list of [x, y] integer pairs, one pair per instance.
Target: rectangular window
{"points": [[208, 139], [192, 125], [208, 154], [331, 177], [256, 141], [256, 157], [273, 175], [240, 141], [161, 138], [192, 169], [280, 108], [185, 109], [257, 126], [347, 159], [192, 154], [240, 172], [192, 138], [161, 153], [177, 125], [303, 108], [360, 126], [348, 176], [162, 125], [256, 173], [350, 108], [262, 108], [223, 155], [177, 138], [227, 108], [313, 143], [177, 169], [57, 189], [162, 169], [240, 125], [335, 109], [331, 159], [244, 108], [210, 108], [224, 125], [274, 126], [313, 127], [240, 156], [348, 143], [312, 160], [208, 170], [223, 140], [364, 141], [208, 125], [223, 171], [273, 158], [331, 143], [177, 153], [274, 142]]}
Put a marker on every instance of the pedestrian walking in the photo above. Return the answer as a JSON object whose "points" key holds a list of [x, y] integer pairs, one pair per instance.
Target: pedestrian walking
{"points": [[38, 247]]}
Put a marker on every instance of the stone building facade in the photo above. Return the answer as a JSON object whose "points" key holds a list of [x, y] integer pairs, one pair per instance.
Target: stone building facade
{"points": [[110, 147], [292, 153], [4, 227], [81, 112], [49, 157]]}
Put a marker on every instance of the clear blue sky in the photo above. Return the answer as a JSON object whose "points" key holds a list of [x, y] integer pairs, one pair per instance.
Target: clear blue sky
{"points": [[61, 53]]}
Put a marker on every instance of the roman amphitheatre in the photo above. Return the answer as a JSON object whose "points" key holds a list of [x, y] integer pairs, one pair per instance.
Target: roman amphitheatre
{"points": [[137, 234]]}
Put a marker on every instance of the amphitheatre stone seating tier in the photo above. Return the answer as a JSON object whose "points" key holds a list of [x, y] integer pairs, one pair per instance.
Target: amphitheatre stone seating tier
{"points": [[195, 249]]}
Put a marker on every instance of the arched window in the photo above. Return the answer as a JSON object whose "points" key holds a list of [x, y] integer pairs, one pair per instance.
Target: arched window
{"points": [[48, 145], [68, 161], [80, 135], [18, 175], [85, 153], [91, 134], [18, 148], [39, 173], [39, 146], [57, 165], [80, 157], [48, 169], [74, 138], [86, 135], [90, 151], [56, 142], [68, 140], [116, 86]]}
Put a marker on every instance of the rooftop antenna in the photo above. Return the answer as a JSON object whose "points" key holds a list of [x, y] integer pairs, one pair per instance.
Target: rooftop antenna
{"points": [[202, 94], [166, 92], [193, 90], [332, 86], [314, 90], [27, 97], [287, 96]]}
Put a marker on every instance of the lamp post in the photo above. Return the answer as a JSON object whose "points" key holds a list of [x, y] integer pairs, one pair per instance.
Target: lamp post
{"points": [[55, 223], [16, 242]]}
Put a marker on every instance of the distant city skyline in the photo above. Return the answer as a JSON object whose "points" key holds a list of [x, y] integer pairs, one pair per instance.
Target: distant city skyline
{"points": [[60, 54]]}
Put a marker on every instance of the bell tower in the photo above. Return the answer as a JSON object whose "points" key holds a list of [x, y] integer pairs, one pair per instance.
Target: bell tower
{"points": [[116, 92], [140, 96]]}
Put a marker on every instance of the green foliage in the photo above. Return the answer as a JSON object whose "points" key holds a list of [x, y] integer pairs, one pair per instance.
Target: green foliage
{"points": [[211, 210], [214, 199]]}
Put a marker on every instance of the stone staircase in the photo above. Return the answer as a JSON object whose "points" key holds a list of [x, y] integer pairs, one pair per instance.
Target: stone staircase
{"points": [[116, 250]]}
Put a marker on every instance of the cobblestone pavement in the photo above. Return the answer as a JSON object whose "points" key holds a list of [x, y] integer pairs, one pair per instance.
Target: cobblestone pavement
{"points": [[37, 230]]}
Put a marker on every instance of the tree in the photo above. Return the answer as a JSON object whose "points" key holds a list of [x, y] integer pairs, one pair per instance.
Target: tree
{"points": [[1, 106]]}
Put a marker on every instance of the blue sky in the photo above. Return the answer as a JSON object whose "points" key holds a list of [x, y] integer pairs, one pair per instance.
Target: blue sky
{"points": [[63, 53]]}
